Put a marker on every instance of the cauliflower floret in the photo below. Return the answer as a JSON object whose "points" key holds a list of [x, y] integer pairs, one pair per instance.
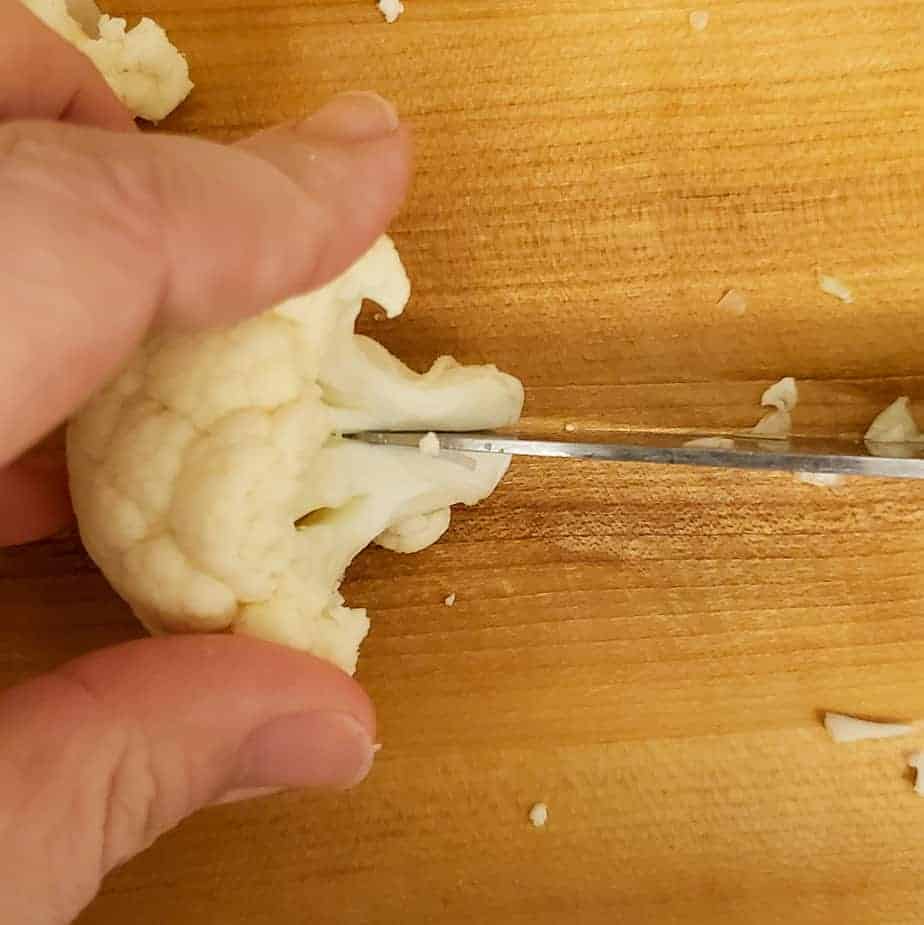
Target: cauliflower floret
{"points": [[215, 490], [144, 70]]}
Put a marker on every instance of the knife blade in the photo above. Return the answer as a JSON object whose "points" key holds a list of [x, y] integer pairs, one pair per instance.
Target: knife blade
{"points": [[793, 454]]}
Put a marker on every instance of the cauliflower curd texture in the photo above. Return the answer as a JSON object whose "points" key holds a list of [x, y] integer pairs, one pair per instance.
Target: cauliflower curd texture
{"points": [[215, 490]]}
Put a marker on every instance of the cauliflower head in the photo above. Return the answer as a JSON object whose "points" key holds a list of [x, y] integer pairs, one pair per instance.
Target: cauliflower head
{"points": [[144, 70], [215, 489]]}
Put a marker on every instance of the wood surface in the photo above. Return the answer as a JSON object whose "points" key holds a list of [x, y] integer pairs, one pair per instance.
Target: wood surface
{"points": [[646, 650]]}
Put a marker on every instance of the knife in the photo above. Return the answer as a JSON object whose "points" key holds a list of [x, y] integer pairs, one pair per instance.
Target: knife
{"points": [[792, 454]]}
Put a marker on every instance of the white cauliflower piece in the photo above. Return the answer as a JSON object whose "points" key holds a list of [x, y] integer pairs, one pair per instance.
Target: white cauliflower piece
{"points": [[144, 70], [831, 285], [783, 396], [895, 432], [699, 20], [215, 492], [777, 425], [894, 425], [711, 443], [390, 9], [735, 302], [415, 533], [844, 728], [539, 815]]}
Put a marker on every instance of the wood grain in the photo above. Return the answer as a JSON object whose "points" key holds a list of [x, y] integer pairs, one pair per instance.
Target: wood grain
{"points": [[645, 650]]}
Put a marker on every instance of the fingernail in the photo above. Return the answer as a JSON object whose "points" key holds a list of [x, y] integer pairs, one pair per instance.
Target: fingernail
{"points": [[326, 750], [353, 117]]}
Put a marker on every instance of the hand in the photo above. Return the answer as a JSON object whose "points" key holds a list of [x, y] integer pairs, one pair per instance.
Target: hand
{"points": [[104, 232]]}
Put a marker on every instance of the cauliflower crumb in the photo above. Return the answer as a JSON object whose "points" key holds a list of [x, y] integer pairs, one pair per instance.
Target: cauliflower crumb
{"points": [[450, 599], [832, 286], [777, 425], [712, 443], [391, 9], [430, 444], [699, 19], [821, 479], [783, 396], [538, 815], [916, 761], [734, 301], [894, 425], [844, 728], [571, 428]]}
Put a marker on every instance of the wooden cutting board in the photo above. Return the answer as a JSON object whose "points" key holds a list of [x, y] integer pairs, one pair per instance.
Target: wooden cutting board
{"points": [[645, 650]]}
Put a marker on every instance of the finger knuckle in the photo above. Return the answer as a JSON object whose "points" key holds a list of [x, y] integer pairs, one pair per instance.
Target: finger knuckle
{"points": [[135, 792]]}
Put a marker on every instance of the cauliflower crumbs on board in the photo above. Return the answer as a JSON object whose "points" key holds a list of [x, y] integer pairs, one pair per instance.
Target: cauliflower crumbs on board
{"points": [[450, 599], [895, 424], [844, 728], [539, 815], [390, 9], [783, 396], [734, 302], [832, 286], [699, 19]]}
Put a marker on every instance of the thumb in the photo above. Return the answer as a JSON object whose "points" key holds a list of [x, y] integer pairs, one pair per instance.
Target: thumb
{"points": [[105, 233], [108, 752]]}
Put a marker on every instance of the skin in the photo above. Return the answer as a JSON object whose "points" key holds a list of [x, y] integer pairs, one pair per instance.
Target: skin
{"points": [[100, 757]]}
